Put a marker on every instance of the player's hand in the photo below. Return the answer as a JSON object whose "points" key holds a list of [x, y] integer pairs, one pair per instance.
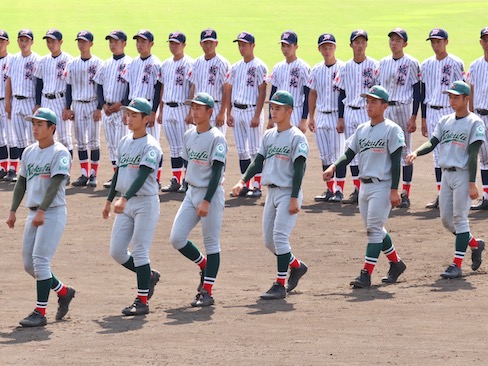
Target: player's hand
{"points": [[107, 110], [220, 119], [36, 107], [114, 108], [160, 116], [328, 173], [294, 207], [38, 219], [152, 119], [67, 114], [97, 115], [237, 188], [340, 125], [412, 124], [424, 128], [11, 219], [270, 124], [255, 122], [106, 210], [8, 108], [202, 209], [411, 157], [395, 198], [230, 120], [302, 126], [311, 124], [473, 191], [189, 119], [119, 206]]}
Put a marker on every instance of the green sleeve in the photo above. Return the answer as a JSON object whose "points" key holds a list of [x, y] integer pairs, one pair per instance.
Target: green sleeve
{"points": [[345, 159], [255, 167], [112, 192], [19, 192], [54, 184], [299, 167], [473, 150], [428, 146], [142, 175], [396, 157], [217, 167]]}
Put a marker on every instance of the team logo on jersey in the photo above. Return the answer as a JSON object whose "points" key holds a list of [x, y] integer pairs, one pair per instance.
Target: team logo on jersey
{"points": [[460, 139], [303, 148], [401, 137], [28, 70], [220, 151], [368, 75], [446, 75], [282, 153], [64, 161], [180, 75], [126, 160], [198, 157], [294, 73], [251, 76], [60, 73], [378, 146], [151, 157], [480, 131], [36, 170]]}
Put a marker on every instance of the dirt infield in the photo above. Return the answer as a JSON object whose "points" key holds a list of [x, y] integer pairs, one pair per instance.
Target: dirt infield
{"points": [[422, 320]]}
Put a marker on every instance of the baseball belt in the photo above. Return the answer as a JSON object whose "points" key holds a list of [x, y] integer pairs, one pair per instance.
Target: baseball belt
{"points": [[54, 96], [174, 104], [369, 180], [243, 106], [327, 112], [482, 112], [451, 169], [393, 102], [20, 97], [437, 107], [85, 101], [273, 186], [354, 107]]}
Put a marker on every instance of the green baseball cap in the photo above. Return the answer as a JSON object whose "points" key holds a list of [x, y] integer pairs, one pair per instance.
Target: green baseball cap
{"points": [[202, 99], [281, 97], [458, 87], [43, 114], [139, 105], [378, 92]]}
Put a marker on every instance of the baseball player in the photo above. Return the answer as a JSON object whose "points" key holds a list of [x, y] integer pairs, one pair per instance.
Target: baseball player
{"points": [[143, 74], [112, 92], [324, 112], [378, 143], [138, 207], [205, 149], [356, 77], [478, 103], [247, 87], [292, 74], [437, 73], [5, 131], [51, 84], [45, 165], [174, 114], [459, 136], [282, 157], [208, 75], [20, 97], [399, 73], [86, 111]]}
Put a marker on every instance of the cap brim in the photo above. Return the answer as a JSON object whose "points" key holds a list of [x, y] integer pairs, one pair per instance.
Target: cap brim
{"points": [[83, 39], [283, 41], [364, 95], [31, 118], [397, 33], [435, 37], [5, 38], [321, 43], [275, 102], [191, 101], [129, 108], [21, 35], [50, 36], [241, 40], [359, 35], [208, 39], [455, 92], [139, 36], [174, 40]]}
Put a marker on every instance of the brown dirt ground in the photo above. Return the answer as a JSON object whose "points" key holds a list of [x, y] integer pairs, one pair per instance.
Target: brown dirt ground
{"points": [[422, 320]]}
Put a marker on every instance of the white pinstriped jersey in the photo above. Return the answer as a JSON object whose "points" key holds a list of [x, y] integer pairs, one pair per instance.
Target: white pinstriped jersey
{"points": [[21, 73], [478, 77], [322, 81], [209, 75], [398, 77], [52, 72], [110, 76], [174, 77], [245, 78], [438, 75], [291, 77], [142, 76], [80, 75], [4, 61], [356, 79]]}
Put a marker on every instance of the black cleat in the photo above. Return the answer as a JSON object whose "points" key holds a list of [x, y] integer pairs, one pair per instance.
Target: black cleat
{"points": [[324, 197], [433, 204], [173, 186], [481, 205], [137, 308], [295, 275], [254, 193], [92, 181], [202, 279], [202, 299], [107, 184], [396, 269], [337, 198], [80, 182], [11, 176], [63, 303], [242, 193], [452, 271], [476, 255], [3, 173], [405, 201], [153, 280], [353, 198], [362, 281], [184, 187], [35, 319], [276, 292]]}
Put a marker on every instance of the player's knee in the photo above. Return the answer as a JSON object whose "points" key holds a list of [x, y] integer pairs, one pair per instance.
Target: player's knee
{"points": [[29, 267], [177, 240], [448, 223], [119, 255]]}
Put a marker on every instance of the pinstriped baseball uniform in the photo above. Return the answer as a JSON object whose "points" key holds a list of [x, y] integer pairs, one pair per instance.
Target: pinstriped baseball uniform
{"points": [[398, 76], [110, 76], [209, 76], [478, 78], [21, 73], [176, 89], [245, 79], [142, 76], [80, 75], [52, 72], [329, 141], [292, 77], [5, 132]]}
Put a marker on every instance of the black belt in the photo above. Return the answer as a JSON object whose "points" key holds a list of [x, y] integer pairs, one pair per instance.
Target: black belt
{"points": [[451, 169], [20, 97], [54, 96], [353, 107], [243, 106], [482, 112], [368, 180], [174, 104], [85, 101], [327, 112], [272, 186], [33, 208], [393, 102], [437, 107], [2, 98]]}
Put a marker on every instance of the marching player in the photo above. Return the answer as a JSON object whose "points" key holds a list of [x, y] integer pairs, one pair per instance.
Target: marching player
{"points": [[7, 143]]}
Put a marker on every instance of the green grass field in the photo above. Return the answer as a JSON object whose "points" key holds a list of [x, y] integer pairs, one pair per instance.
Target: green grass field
{"points": [[462, 19]]}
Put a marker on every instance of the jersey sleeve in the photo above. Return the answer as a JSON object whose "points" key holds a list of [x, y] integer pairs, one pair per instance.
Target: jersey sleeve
{"points": [[223, 71], [126, 73], [229, 78], [396, 138], [99, 76], [156, 72], [339, 79], [352, 142], [414, 72], [438, 129], [67, 73], [60, 163], [300, 146], [459, 72], [38, 69], [219, 149], [261, 74], [477, 131], [305, 74], [262, 146], [471, 72], [151, 157]]}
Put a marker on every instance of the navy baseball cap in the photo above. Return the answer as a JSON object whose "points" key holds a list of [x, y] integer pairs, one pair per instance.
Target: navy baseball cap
{"points": [[139, 105], [208, 35], [3, 35], [176, 37], [326, 38], [289, 37], [437, 33], [400, 32], [484, 32], [85, 36], [43, 114], [25, 33], [245, 37], [144, 34], [378, 92], [202, 99], [117, 35], [282, 97], [358, 33], [458, 87], [53, 34]]}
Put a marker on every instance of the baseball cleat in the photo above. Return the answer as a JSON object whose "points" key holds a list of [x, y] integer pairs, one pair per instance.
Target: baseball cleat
{"points": [[337, 198], [92, 181], [184, 187], [353, 198], [137, 308], [11, 176], [63, 303], [276, 292], [405, 201], [295, 275], [107, 184], [3, 173], [362, 281], [476, 255], [173, 186], [35, 319], [202, 278], [254, 193], [202, 299], [68, 180], [481, 205], [433, 204], [242, 193], [452, 271], [396, 269], [80, 182], [325, 197], [153, 280]]}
